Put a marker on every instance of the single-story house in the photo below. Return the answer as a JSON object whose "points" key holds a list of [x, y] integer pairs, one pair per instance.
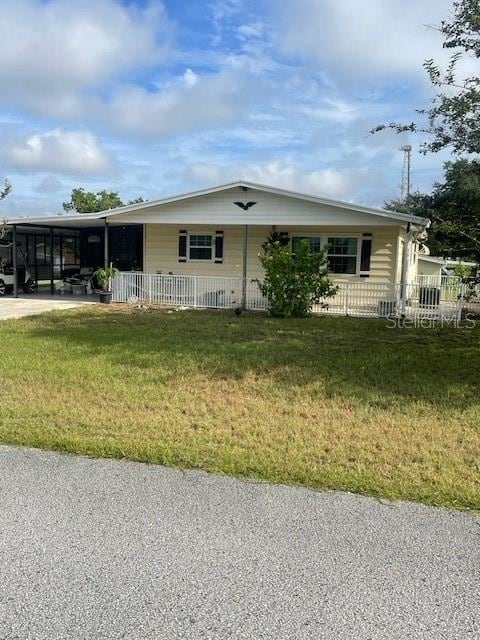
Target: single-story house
{"points": [[219, 231]]}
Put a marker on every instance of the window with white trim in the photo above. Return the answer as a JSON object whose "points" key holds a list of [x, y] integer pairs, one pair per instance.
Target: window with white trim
{"points": [[342, 255], [200, 246]]}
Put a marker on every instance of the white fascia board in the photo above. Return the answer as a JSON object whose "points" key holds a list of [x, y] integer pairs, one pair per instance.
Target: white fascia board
{"points": [[60, 221]]}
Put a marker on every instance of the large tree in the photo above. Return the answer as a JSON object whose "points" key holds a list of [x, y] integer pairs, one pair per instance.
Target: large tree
{"points": [[83, 201], [453, 120], [454, 210]]}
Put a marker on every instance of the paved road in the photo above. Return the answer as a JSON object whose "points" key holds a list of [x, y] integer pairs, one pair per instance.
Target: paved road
{"points": [[31, 305], [103, 549]]}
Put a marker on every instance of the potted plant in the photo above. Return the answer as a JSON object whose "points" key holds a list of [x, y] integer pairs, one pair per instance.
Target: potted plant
{"points": [[104, 280]]}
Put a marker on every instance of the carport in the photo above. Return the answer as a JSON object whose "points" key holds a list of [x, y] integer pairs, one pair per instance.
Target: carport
{"points": [[52, 249]]}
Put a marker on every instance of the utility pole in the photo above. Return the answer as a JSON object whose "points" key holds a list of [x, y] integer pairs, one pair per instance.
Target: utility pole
{"points": [[406, 171], [407, 244]]}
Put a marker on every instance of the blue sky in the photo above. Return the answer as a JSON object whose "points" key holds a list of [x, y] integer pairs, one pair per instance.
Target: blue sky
{"points": [[154, 98]]}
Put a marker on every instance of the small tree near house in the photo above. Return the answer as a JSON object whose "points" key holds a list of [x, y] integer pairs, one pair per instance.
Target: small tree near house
{"points": [[294, 280]]}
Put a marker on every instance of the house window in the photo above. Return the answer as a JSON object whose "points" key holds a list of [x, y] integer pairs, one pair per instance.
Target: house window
{"points": [[342, 255], [200, 246], [315, 242]]}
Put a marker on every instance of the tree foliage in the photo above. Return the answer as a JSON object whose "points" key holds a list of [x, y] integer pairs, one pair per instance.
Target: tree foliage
{"points": [[293, 282], [7, 187], [83, 201], [454, 210], [453, 120]]}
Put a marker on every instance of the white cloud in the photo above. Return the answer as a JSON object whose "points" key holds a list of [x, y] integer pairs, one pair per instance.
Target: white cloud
{"points": [[190, 78], [208, 174], [201, 114], [333, 110], [49, 184], [329, 182], [264, 116], [53, 52], [267, 137], [70, 60], [77, 152], [222, 13], [192, 102], [251, 30], [363, 37]]}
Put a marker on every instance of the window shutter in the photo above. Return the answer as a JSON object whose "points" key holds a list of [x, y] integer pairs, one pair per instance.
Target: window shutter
{"points": [[284, 239], [218, 246], [365, 255], [182, 245]]}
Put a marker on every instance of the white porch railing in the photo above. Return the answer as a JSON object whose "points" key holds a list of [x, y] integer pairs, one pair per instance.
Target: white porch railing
{"points": [[176, 290], [437, 280], [419, 300]]}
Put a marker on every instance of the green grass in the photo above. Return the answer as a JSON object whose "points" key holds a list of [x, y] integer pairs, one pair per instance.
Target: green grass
{"points": [[334, 403]]}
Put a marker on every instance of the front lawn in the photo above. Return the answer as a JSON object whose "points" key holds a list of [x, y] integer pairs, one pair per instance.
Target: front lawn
{"points": [[324, 402]]}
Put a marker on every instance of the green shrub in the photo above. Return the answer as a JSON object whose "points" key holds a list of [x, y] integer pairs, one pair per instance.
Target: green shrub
{"points": [[462, 270], [294, 282], [104, 277]]}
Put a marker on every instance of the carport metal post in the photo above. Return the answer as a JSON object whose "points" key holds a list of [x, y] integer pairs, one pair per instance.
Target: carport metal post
{"points": [[244, 267], [105, 244], [14, 261], [404, 272], [52, 273]]}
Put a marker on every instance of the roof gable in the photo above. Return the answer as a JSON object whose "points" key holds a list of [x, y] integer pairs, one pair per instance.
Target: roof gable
{"points": [[242, 184]]}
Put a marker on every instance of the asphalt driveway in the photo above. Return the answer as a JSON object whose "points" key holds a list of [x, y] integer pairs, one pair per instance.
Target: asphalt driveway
{"points": [[108, 549]]}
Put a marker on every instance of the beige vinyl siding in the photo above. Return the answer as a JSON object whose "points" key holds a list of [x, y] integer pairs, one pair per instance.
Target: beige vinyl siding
{"points": [[161, 249], [383, 258], [383, 263]]}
